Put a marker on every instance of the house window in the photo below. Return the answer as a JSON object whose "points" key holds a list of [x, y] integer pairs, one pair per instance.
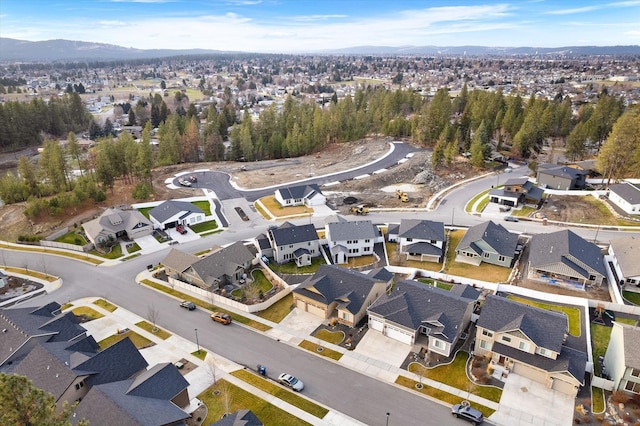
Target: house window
{"points": [[367, 249], [438, 344], [506, 339], [632, 387], [484, 344], [409, 240], [425, 330], [487, 333], [367, 241], [635, 372], [486, 255], [345, 316], [544, 352], [500, 258], [592, 277], [523, 346], [79, 385]]}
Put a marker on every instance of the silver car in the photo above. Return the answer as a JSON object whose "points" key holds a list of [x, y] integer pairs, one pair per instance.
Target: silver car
{"points": [[291, 381], [464, 411]]}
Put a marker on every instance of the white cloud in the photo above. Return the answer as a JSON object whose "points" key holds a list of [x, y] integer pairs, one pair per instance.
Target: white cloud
{"points": [[308, 18], [113, 23]]}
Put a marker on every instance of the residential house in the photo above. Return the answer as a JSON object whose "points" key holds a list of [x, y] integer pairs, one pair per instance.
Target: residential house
{"points": [[563, 257], [228, 265], [516, 191], [487, 242], [622, 359], [334, 291], [415, 313], [172, 213], [239, 418], [624, 255], [23, 328], [626, 196], [299, 243], [560, 177], [421, 240], [348, 239], [115, 223], [530, 342], [307, 195]]}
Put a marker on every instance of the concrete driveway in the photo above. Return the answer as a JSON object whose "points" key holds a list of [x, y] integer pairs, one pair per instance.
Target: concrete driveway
{"points": [[375, 345], [525, 402], [148, 244]]}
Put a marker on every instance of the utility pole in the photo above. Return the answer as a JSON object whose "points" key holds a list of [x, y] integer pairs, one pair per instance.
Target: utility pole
{"points": [[197, 342]]}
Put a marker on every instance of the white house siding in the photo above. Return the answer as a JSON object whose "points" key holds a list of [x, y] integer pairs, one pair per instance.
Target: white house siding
{"points": [[400, 335], [316, 200], [623, 204], [376, 323], [614, 361]]}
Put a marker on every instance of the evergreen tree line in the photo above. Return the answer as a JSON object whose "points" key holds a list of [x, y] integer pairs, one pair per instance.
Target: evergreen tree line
{"points": [[24, 124]]}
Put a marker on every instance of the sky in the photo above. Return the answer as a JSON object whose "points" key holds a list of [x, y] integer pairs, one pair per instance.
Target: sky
{"points": [[297, 26]]}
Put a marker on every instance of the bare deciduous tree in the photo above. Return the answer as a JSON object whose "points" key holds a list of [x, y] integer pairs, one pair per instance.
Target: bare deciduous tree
{"points": [[152, 316]]}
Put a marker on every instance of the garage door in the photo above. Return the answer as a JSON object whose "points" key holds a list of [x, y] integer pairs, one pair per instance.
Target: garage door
{"points": [[375, 324], [301, 304], [315, 310], [399, 335]]}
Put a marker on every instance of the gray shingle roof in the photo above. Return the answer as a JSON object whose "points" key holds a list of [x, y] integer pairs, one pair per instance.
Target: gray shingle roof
{"points": [[563, 171], [421, 229], [412, 304], [179, 260], [554, 247], [465, 291], [119, 361], [423, 248], [299, 192], [631, 345], [170, 208], [352, 230], [334, 283], [496, 236], [627, 191], [288, 233], [223, 262], [626, 250], [381, 274], [115, 220], [239, 418], [162, 381], [545, 328]]}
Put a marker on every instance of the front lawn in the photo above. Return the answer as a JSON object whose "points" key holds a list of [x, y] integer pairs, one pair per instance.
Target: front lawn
{"points": [[281, 393], [469, 206], [573, 314], [292, 268], [484, 271], [139, 341], [163, 334], [335, 337], [222, 393], [274, 207], [86, 312], [114, 253], [210, 225], [321, 350], [105, 305], [279, 310]]}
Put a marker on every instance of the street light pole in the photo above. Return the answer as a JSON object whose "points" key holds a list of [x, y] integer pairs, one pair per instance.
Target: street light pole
{"points": [[388, 418], [197, 343]]}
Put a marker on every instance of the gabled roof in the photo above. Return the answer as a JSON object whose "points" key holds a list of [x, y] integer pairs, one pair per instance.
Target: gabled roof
{"points": [[299, 192], [381, 274], [412, 304], [171, 208], [555, 247], [421, 229], [333, 283], [626, 250], [544, 328], [562, 171], [223, 262], [423, 248], [627, 191], [162, 381], [465, 291], [631, 345], [119, 361], [239, 418], [288, 233], [516, 181], [494, 235], [115, 220], [352, 230], [179, 260], [110, 404]]}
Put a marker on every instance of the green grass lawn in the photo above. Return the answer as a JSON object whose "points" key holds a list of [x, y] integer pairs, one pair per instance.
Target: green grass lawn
{"points": [[274, 207], [438, 284], [573, 314], [335, 337], [279, 310], [597, 400], [134, 248], [292, 268], [145, 211], [441, 395], [632, 297], [105, 305], [40, 249], [281, 393], [263, 283], [209, 225], [139, 341], [163, 334], [237, 318], [600, 336], [201, 354], [484, 271], [205, 206], [87, 312], [524, 211], [239, 399], [472, 201], [455, 375], [114, 253], [65, 306], [313, 347], [72, 238]]}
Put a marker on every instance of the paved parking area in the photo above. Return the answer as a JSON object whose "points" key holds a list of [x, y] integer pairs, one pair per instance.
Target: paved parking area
{"points": [[374, 345], [148, 243], [525, 402]]}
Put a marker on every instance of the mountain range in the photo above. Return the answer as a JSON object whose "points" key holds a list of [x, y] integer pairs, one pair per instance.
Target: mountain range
{"points": [[12, 50]]}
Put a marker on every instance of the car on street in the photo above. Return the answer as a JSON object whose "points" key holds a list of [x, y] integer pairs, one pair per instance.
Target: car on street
{"points": [[221, 317], [511, 219], [291, 381], [184, 182], [188, 305], [193, 179], [465, 411]]}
